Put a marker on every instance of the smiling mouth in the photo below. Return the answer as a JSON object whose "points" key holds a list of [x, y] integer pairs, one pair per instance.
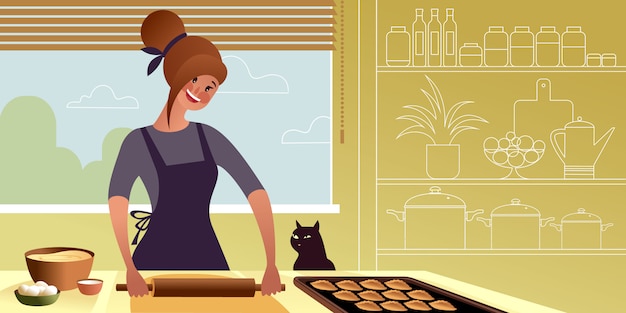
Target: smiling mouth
{"points": [[191, 97]]}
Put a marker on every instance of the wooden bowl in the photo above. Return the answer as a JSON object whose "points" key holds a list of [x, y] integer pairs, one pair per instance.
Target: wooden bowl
{"points": [[62, 274]]}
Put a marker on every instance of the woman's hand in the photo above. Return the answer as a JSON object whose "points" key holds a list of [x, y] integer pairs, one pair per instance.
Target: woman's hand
{"points": [[271, 281], [136, 285]]}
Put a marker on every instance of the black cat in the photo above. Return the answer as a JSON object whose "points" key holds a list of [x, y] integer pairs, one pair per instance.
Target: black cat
{"points": [[307, 241]]}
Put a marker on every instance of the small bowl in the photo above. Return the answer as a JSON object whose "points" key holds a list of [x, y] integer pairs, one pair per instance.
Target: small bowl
{"points": [[89, 286], [37, 300]]}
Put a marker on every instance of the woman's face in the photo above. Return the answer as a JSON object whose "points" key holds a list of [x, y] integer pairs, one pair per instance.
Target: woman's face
{"points": [[197, 93]]}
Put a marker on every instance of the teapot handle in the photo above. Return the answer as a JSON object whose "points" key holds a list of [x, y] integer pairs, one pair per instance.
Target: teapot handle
{"points": [[559, 132]]}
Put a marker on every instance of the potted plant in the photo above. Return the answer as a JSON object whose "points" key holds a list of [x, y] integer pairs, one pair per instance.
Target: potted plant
{"points": [[441, 125]]}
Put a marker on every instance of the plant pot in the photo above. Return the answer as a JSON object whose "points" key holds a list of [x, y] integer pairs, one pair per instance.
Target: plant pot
{"points": [[443, 161]]}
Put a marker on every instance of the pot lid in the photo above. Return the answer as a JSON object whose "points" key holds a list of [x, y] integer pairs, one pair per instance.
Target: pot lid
{"points": [[516, 208], [581, 216], [579, 123], [435, 198]]}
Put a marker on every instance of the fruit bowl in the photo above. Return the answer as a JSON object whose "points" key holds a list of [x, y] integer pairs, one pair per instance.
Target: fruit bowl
{"points": [[514, 152]]}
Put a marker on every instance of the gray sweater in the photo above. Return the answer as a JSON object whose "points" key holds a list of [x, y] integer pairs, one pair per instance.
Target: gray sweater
{"points": [[179, 147]]}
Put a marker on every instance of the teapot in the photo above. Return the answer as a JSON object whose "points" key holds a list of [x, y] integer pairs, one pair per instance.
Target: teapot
{"points": [[577, 147]]}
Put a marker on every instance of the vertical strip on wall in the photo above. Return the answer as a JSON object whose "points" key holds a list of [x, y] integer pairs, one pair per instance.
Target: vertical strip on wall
{"points": [[341, 72]]}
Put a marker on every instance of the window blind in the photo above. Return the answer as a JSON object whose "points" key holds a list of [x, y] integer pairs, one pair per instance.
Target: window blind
{"points": [[115, 24]]}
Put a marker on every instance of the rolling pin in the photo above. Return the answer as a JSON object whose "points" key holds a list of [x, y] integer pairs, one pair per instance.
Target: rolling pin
{"points": [[201, 287]]}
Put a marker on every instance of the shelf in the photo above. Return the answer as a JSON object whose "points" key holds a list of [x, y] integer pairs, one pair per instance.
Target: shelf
{"points": [[501, 69], [500, 182], [502, 252]]}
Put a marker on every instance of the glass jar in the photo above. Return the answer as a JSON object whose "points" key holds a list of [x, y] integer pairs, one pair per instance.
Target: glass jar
{"points": [[522, 47], [398, 47], [470, 54], [608, 59], [573, 46], [548, 50], [496, 46]]}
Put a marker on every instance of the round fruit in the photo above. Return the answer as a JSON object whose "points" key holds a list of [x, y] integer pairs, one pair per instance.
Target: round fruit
{"points": [[500, 157], [490, 143], [525, 142], [504, 143], [531, 156], [516, 159], [539, 145]]}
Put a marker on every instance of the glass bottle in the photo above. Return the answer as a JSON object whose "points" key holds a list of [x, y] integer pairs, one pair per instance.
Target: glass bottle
{"points": [[418, 32], [548, 47], [573, 46], [434, 39], [522, 43], [496, 43], [398, 46], [470, 54], [449, 39]]}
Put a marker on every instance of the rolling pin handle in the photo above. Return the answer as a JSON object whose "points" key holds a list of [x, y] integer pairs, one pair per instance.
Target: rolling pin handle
{"points": [[124, 287], [257, 287]]}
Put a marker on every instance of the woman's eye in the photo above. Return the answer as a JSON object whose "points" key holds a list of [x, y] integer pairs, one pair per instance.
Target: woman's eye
{"points": [[208, 88], [194, 80], [295, 236]]}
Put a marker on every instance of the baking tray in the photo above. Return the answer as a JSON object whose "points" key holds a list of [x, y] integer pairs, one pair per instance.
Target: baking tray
{"points": [[327, 299]]}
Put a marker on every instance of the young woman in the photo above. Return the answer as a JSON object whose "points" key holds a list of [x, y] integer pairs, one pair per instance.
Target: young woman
{"points": [[177, 161]]}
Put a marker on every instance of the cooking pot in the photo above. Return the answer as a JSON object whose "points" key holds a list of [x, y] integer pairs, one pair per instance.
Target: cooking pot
{"points": [[581, 230], [515, 226], [434, 220]]}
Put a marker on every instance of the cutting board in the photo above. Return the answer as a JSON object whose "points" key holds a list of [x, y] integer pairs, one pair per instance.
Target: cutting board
{"points": [[258, 303], [538, 118]]}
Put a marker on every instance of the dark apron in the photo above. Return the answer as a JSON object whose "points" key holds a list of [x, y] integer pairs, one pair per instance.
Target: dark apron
{"points": [[180, 235]]}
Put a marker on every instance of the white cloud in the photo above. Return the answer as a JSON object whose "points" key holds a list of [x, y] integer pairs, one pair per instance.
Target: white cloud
{"points": [[103, 97], [317, 133], [241, 80]]}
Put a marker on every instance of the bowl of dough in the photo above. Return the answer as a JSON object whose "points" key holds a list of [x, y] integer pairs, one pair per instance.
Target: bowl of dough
{"points": [[38, 294], [59, 266]]}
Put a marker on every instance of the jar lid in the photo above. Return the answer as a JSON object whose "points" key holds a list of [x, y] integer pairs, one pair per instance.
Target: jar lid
{"points": [[581, 216], [434, 199], [516, 208]]}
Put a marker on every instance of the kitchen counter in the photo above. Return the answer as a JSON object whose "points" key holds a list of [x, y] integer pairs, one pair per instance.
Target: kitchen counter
{"points": [[293, 299]]}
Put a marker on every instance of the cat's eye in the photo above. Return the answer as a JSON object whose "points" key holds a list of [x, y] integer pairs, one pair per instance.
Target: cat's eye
{"points": [[307, 236], [295, 236]]}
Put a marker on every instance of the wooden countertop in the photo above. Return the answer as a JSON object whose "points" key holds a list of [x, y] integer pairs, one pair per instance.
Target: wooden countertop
{"points": [[293, 299]]}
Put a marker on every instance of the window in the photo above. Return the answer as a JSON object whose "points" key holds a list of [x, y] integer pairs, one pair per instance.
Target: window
{"points": [[69, 100]]}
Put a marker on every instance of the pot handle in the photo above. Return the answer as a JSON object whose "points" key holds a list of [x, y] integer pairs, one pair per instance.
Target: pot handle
{"points": [[469, 215], [486, 221], [544, 221], [605, 226], [558, 227], [397, 214]]}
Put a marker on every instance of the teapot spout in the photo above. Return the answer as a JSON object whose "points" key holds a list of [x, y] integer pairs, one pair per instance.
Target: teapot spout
{"points": [[600, 144]]}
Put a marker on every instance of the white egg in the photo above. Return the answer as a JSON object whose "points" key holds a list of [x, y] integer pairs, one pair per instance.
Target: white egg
{"points": [[50, 290], [22, 289], [32, 291], [41, 283]]}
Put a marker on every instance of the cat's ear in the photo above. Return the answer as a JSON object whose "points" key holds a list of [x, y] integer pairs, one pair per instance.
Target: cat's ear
{"points": [[317, 225], [298, 224]]}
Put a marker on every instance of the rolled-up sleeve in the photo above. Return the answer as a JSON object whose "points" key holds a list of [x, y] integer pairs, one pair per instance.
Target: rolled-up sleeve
{"points": [[228, 157]]}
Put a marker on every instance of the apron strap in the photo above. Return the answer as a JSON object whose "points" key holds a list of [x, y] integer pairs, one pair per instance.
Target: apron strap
{"points": [[142, 224]]}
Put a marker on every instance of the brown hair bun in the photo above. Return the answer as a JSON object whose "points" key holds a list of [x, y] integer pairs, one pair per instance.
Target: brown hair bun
{"points": [[185, 57]]}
